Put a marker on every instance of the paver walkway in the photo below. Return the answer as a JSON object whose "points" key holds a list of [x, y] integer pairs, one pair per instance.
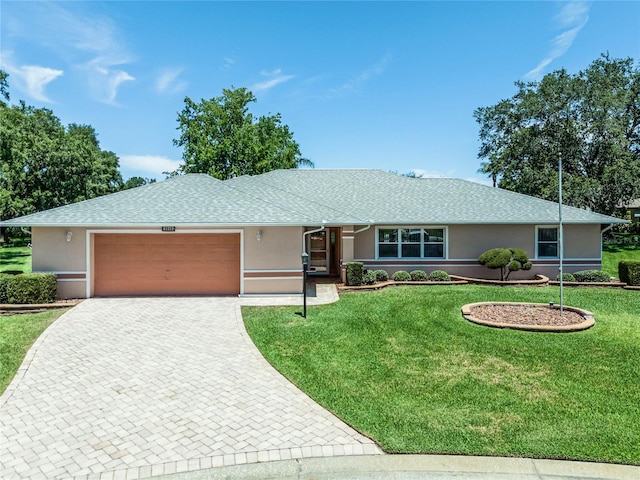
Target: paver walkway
{"points": [[132, 388]]}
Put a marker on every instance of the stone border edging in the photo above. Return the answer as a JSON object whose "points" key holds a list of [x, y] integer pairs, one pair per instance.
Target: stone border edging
{"points": [[540, 280], [555, 283], [393, 283], [588, 322], [11, 308]]}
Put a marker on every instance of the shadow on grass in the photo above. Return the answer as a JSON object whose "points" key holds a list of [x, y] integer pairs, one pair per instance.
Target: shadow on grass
{"points": [[619, 247], [10, 258]]}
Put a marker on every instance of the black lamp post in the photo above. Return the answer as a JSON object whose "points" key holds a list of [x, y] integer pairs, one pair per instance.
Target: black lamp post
{"points": [[305, 264]]}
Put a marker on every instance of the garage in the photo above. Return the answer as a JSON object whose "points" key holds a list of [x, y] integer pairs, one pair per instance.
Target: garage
{"points": [[166, 264]]}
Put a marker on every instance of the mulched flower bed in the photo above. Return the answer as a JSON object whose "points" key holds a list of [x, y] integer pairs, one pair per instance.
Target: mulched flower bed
{"points": [[526, 315], [538, 317]]}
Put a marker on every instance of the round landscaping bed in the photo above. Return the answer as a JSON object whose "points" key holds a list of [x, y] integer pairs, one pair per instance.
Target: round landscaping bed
{"points": [[528, 316]]}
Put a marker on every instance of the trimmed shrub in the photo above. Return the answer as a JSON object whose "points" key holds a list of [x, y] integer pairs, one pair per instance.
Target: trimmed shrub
{"points": [[634, 275], [506, 259], [401, 276], [32, 288], [381, 275], [439, 276], [623, 270], [418, 276], [355, 273], [369, 278], [592, 276], [566, 277], [4, 280]]}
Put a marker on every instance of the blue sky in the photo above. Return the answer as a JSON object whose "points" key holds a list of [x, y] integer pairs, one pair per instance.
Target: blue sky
{"points": [[387, 85]]}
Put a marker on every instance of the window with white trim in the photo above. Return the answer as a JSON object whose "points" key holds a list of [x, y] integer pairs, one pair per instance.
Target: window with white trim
{"points": [[547, 242], [415, 242], [388, 243]]}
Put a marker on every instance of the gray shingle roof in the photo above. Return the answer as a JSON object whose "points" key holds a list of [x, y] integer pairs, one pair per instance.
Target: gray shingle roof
{"points": [[308, 197]]}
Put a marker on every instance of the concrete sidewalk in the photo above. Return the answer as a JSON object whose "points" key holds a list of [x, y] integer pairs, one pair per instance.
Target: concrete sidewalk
{"points": [[413, 467]]}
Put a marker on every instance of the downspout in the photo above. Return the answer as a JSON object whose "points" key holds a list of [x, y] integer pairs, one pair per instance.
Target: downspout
{"points": [[304, 239], [606, 229], [363, 229], [602, 232]]}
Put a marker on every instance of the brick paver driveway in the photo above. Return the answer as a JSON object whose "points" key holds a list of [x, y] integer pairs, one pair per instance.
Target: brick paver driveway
{"points": [[132, 388]]}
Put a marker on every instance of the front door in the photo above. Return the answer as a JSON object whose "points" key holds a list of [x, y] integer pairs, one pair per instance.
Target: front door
{"points": [[319, 253]]}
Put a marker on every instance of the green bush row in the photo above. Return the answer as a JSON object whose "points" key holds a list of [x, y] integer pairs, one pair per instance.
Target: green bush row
{"points": [[592, 276], [421, 276], [566, 277], [629, 272], [357, 275], [28, 288], [585, 276]]}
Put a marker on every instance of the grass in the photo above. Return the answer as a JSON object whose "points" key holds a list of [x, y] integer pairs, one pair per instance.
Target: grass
{"points": [[17, 334], [613, 253], [402, 366], [14, 259]]}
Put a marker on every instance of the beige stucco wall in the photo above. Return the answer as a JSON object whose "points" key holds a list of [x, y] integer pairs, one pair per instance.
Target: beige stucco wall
{"points": [[291, 285], [52, 253], [365, 244], [71, 289], [278, 249], [582, 250], [582, 241], [470, 241]]}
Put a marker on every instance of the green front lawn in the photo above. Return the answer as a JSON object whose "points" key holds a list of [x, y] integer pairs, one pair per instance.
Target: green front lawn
{"points": [[14, 259], [402, 366], [614, 253], [17, 334]]}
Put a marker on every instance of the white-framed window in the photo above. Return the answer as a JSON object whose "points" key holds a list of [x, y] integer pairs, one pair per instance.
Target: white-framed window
{"points": [[547, 242], [411, 242]]}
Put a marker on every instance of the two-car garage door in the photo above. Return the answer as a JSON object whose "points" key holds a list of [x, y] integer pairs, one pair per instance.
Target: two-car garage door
{"points": [[166, 264]]}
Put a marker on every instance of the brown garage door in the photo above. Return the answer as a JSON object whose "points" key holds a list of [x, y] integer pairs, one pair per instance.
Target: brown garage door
{"points": [[166, 264]]}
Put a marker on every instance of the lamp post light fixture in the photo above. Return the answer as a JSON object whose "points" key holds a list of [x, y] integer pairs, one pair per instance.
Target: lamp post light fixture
{"points": [[305, 263]]}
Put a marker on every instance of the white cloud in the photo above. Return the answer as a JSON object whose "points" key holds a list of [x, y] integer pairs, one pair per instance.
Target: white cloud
{"points": [[80, 38], [229, 62], [115, 78], [364, 76], [275, 77], [572, 17], [152, 165], [36, 78], [168, 82], [104, 81], [30, 79]]}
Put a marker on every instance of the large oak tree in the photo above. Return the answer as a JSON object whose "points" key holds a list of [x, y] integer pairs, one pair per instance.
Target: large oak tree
{"points": [[44, 164], [590, 119], [222, 138]]}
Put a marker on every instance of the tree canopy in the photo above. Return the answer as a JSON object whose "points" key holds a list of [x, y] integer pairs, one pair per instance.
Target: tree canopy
{"points": [[222, 138], [590, 119], [45, 164]]}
